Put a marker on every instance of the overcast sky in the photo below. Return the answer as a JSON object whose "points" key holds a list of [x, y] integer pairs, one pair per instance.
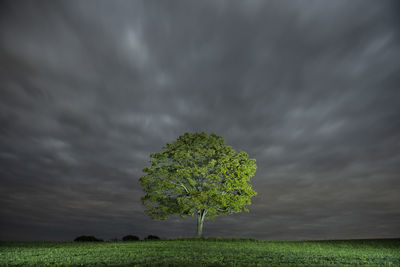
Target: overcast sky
{"points": [[88, 89]]}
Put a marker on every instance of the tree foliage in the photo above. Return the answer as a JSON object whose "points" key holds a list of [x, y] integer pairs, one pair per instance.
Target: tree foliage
{"points": [[130, 238], [87, 238], [197, 175]]}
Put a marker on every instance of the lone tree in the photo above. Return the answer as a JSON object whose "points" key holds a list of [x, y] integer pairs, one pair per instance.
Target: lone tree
{"points": [[197, 175]]}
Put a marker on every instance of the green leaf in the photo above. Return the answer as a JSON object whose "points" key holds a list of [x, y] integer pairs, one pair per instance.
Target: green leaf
{"points": [[197, 172]]}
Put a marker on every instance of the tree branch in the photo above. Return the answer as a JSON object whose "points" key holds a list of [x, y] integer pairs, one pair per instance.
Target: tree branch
{"points": [[180, 184]]}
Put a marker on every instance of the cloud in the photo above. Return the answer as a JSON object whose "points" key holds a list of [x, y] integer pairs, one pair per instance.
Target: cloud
{"points": [[308, 88]]}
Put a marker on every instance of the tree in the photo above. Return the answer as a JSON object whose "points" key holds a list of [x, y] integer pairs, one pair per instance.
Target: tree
{"points": [[87, 238], [151, 237], [130, 238], [197, 175]]}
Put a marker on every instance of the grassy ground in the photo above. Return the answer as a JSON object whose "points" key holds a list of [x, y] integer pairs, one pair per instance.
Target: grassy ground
{"points": [[211, 252]]}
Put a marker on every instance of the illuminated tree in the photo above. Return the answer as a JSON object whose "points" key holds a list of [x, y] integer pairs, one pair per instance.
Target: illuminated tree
{"points": [[197, 175]]}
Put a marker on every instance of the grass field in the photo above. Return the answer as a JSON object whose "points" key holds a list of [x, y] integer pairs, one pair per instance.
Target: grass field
{"points": [[211, 252]]}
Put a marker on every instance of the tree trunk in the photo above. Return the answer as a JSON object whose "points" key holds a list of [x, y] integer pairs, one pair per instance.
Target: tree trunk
{"points": [[201, 214]]}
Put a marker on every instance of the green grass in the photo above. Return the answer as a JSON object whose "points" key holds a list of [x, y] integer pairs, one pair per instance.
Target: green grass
{"points": [[209, 252]]}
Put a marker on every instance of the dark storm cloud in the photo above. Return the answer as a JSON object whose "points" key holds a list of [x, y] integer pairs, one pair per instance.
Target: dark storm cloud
{"points": [[309, 88]]}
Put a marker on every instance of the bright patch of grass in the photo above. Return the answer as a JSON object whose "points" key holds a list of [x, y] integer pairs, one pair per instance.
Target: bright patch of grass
{"points": [[208, 252]]}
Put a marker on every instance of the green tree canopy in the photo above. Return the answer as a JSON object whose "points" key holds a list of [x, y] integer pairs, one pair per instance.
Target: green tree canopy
{"points": [[197, 175]]}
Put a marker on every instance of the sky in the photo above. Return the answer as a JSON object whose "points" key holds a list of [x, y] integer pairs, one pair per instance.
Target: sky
{"points": [[310, 89]]}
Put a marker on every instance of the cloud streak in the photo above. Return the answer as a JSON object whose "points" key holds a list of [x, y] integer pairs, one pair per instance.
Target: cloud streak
{"points": [[308, 88]]}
